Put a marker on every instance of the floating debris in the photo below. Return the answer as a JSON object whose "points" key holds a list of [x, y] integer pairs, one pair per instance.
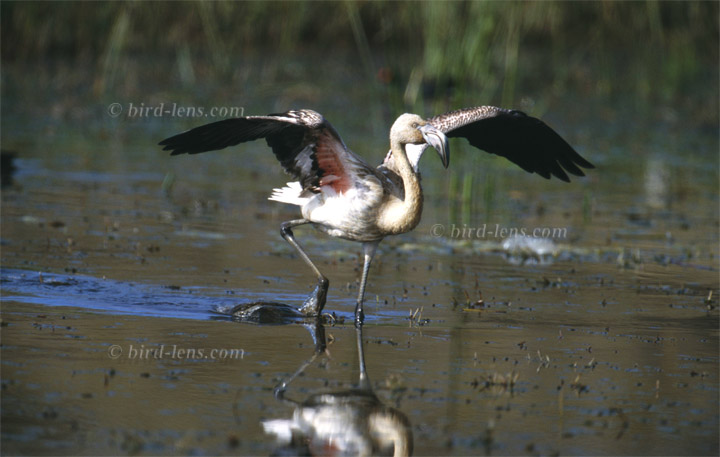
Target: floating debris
{"points": [[577, 386], [497, 383], [415, 317]]}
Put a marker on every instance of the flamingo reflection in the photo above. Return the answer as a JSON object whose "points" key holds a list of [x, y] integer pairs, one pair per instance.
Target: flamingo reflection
{"points": [[342, 423]]}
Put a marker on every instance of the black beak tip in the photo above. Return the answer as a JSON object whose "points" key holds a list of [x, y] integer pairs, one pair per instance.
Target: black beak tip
{"points": [[445, 156]]}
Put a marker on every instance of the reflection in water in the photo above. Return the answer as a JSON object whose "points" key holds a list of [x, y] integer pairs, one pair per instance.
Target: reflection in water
{"points": [[7, 168], [347, 422], [657, 179]]}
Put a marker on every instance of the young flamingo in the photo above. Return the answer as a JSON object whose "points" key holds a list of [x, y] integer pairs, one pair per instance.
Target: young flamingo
{"points": [[343, 196]]}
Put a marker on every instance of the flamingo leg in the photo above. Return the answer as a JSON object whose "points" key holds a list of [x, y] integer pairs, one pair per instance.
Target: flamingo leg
{"points": [[363, 381], [318, 333], [369, 252], [315, 302]]}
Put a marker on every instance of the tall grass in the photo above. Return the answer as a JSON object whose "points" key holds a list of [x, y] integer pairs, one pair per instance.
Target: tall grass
{"points": [[431, 46]]}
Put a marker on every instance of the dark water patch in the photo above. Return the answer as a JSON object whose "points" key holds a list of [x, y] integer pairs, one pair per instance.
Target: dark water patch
{"points": [[108, 295]]}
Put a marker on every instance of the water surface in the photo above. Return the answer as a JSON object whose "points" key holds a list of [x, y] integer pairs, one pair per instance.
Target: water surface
{"points": [[605, 342]]}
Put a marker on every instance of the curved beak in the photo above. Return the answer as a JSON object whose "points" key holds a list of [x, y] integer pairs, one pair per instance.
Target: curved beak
{"points": [[437, 140]]}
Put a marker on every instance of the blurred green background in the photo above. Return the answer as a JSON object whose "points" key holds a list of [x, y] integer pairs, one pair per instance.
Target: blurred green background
{"points": [[657, 51], [627, 83]]}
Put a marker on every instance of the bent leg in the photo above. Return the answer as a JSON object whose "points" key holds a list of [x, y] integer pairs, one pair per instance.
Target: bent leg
{"points": [[316, 300]]}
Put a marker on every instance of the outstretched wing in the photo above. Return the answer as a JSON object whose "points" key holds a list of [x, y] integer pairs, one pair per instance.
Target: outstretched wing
{"points": [[524, 140], [305, 144]]}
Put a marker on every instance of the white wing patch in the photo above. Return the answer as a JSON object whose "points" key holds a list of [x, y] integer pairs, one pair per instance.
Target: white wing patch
{"points": [[304, 160], [290, 194]]}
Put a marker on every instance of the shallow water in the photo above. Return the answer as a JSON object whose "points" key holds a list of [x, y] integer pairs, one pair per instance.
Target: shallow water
{"points": [[605, 342]]}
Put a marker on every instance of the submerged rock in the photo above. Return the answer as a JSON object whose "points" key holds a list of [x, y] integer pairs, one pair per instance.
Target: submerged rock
{"points": [[262, 312]]}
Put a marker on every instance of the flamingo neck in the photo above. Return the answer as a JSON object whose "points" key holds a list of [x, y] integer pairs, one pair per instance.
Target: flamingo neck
{"points": [[403, 215], [413, 151]]}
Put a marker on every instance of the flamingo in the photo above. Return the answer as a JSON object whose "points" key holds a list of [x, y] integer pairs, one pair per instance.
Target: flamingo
{"points": [[340, 194]]}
